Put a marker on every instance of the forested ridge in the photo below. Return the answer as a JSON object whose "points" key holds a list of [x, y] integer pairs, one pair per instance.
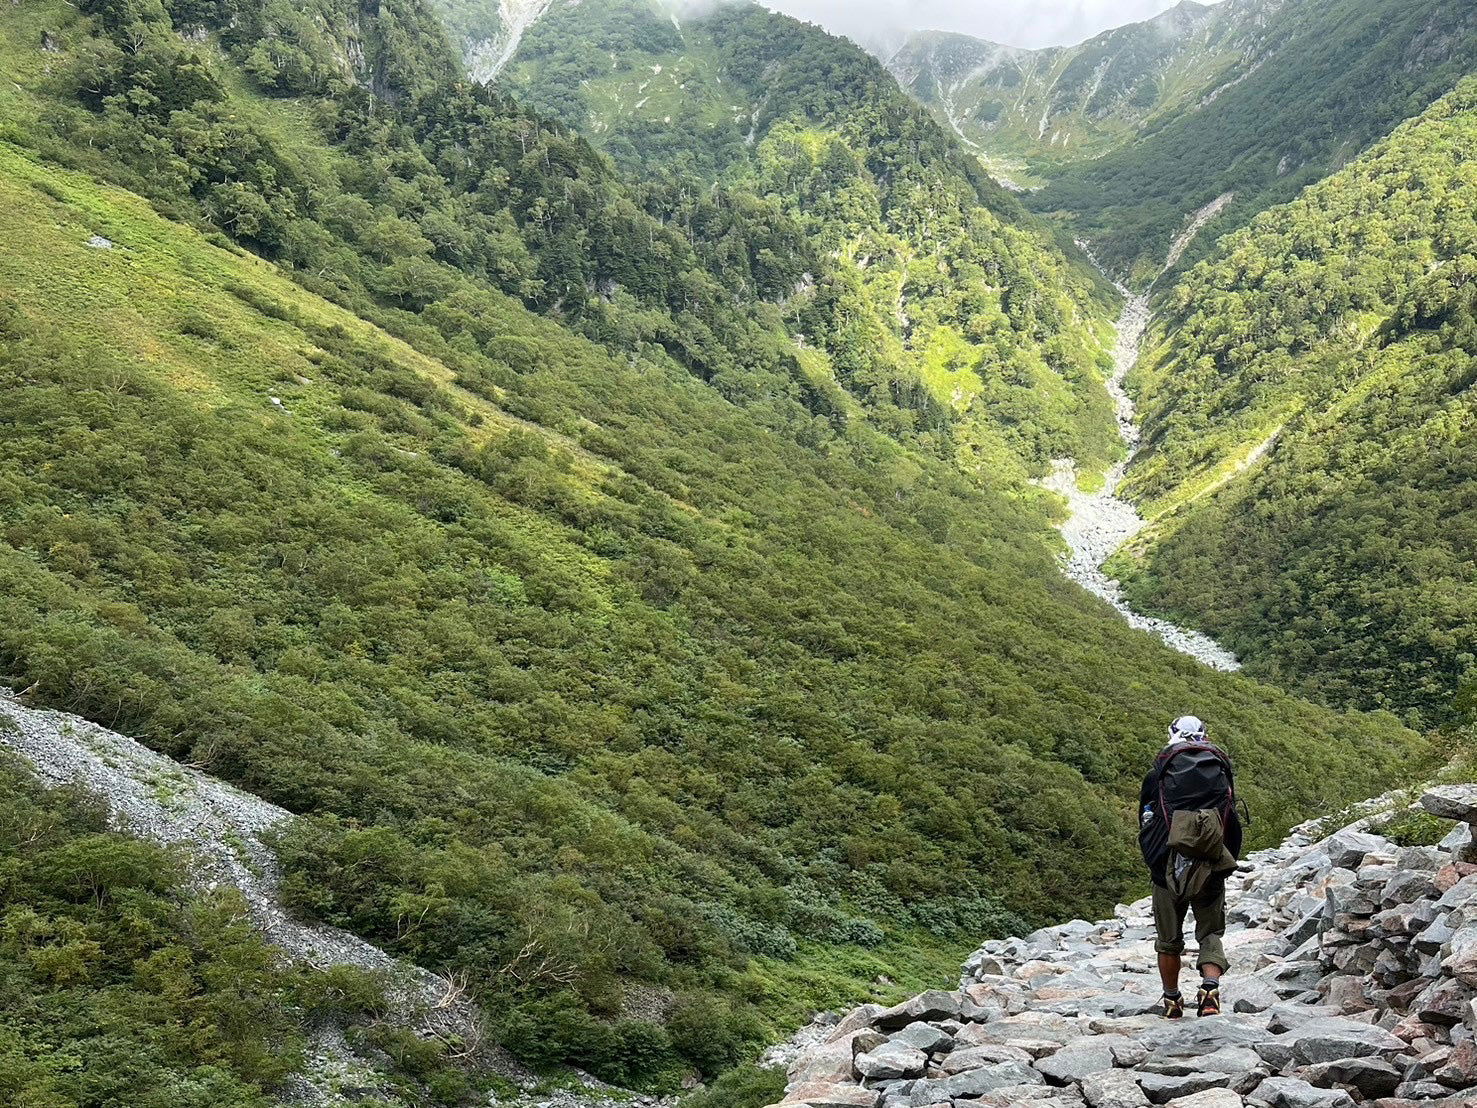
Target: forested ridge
{"points": [[1341, 327], [1325, 79], [375, 444], [1031, 112], [939, 304], [1122, 136]]}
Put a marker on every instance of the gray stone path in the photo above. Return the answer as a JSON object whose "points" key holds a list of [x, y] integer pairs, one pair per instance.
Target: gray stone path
{"points": [[1353, 981]]}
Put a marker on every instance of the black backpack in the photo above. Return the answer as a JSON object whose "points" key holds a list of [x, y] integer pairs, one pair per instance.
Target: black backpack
{"points": [[1189, 777]]}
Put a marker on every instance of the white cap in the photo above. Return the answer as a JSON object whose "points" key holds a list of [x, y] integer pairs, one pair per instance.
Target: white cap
{"points": [[1187, 729]]}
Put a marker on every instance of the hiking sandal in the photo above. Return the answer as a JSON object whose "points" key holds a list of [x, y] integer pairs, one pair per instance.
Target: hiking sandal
{"points": [[1208, 1001], [1174, 1007]]}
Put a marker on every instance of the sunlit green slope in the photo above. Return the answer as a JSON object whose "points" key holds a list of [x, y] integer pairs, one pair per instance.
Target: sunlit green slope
{"points": [[1335, 337], [1324, 80], [1027, 113], [941, 305]]}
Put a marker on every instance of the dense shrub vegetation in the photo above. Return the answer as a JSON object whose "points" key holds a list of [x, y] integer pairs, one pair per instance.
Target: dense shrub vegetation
{"points": [[118, 988], [1342, 324], [940, 305]]}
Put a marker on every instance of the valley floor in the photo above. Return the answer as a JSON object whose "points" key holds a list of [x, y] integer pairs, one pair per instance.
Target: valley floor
{"points": [[1098, 523]]}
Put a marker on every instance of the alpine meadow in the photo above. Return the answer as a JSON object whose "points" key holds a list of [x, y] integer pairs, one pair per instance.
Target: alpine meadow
{"points": [[590, 465]]}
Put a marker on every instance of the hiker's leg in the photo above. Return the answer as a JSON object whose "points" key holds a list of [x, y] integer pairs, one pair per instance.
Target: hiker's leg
{"points": [[1169, 971], [1210, 929], [1169, 925]]}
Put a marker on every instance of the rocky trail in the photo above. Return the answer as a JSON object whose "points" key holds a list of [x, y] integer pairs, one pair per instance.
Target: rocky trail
{"points": [[1353, 981]]}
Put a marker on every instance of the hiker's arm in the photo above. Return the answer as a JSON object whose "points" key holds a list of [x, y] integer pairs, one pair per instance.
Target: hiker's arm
{"points": [[1234, 833]]}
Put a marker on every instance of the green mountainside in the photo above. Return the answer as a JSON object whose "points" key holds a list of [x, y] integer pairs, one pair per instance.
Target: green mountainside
{"points": [[938, 302], [1337, 335], [1338, 75], [1031, 112], [625, 565], [1141, 126]]}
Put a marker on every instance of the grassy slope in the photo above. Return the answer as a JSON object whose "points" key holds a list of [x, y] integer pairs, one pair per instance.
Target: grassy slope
{"points": [[144, 304], [176, 316]]}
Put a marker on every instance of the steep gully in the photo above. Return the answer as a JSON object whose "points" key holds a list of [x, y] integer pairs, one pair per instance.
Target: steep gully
{"points": [[226, 835], [1098, 523], [486, 59]]}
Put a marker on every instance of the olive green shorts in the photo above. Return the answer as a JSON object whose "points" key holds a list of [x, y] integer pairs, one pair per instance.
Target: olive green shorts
{"points": [[1210, 925]]}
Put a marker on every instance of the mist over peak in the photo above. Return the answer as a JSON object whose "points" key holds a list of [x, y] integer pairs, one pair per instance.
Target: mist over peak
{"points": [[882, 25]]}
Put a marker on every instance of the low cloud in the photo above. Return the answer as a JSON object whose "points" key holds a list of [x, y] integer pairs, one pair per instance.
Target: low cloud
{"points": [[880, 24]]}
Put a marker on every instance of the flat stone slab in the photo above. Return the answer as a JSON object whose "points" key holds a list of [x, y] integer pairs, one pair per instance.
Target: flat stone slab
{"points": [[1163, 1087], [1077, 1060], [1289, 1092], [1331, 1038], [890, 1061], [933, 1005], [1458, 802], [1207, 1098], [1113, 1089], [825, 1094]]}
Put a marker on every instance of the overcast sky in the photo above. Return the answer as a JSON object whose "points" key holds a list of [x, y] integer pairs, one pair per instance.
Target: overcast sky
{"points": [[1015, 22]]}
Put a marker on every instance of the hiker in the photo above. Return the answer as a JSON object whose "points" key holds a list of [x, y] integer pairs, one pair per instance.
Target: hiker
{"points": [[1190, 837]]}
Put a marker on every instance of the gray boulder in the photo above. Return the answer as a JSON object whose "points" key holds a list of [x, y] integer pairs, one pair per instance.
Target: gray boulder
{"points": [[1444, 1003], [1458, 841], [1408, 885], [1346, 849], [1461, 895], [1161, 1088], [978, 1057], [1458, 802], [1331, 1038], [1077, 1060], [825, 1094], [974, 1083], [1461, 958], [1113, 1089], [1228, 1059], [1373, 1077], [1289, 1092], [932, 1005], [1434, 937], [925, 1037], [890, 1061], [1207, 1098], [1411, 1091]]}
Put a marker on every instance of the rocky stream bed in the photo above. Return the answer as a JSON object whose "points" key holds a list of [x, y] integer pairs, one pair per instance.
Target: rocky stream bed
{"points": [[1098, 523]]}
